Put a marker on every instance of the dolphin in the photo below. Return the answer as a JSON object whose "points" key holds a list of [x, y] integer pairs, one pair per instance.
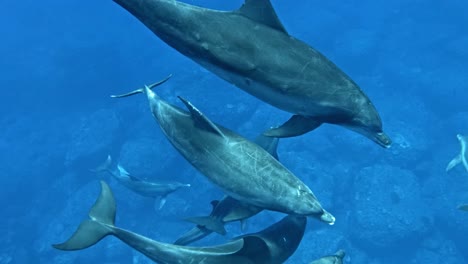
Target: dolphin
{"points": [[251, 49], [336, 258], [224, 211], [462, 157], [227, 209], [463, 207], [274, 244], [241, 168], [158, 190]]}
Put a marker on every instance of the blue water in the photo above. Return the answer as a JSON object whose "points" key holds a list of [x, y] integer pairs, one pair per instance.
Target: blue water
{"points": [[60, 61]]}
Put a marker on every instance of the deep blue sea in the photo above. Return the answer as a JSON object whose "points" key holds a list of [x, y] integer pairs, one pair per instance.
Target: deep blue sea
{"points": [[60, 61]]}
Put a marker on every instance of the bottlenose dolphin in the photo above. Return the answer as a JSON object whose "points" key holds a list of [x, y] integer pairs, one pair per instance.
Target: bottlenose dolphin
{"points": [[274, 244], [227, 209], [159, 190], [336, 258], [463, 207], [462, 157], [251, 49], [241, 168], [224, 211]]}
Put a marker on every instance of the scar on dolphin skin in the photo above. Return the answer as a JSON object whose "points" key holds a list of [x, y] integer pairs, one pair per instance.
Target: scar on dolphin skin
{"points": [[461, 157]]}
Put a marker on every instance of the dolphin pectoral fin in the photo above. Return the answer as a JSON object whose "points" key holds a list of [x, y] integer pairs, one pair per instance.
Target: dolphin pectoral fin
{"points": [[160, 202], [297, 125], [142, 90], [200, 119], [102, 218], [457, 160], [243, 224], [193, 235], [262, 12], [214, 203], [463, 207], [269, 144], [209, 223]]}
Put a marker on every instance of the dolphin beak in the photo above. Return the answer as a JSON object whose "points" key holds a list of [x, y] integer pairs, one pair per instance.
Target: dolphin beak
{"points": [[382, 139]]}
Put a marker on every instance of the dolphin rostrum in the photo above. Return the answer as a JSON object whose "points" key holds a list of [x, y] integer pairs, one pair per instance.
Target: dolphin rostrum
{"points": [[250, 48], [462, 157], [142, 187], [241, 168], [336, 258], [274, 244], [227, 209]]}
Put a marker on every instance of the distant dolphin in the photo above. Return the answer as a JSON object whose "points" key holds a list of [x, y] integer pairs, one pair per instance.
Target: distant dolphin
{"points": [[274, 244], [336, 258], [462, 157], [227, 209], [144, 188], [250, 48], [241, 168], [463, 207]]}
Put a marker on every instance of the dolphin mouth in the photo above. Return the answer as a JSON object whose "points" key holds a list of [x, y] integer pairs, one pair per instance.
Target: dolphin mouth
{"points": [[327, 218], [383, 140]]}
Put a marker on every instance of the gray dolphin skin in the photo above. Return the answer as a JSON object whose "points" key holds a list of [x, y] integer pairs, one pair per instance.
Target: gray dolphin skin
{"points": [[274, 244], [336, 258], [251, 49], [241, 168], [227, 209], [159, 190]]}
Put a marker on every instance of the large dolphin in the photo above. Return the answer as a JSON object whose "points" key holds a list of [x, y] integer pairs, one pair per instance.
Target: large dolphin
{"points": [[274, 244], [159, 190], [227, 209], [336, 258], [250, 48], [241, 168]]}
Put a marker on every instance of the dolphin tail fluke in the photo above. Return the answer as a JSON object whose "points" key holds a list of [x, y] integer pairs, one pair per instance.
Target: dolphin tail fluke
{"points": [[102, 218], [243, 225], [142, 90], [457, 160], [105, 166], [297, 125], [463, 207], [209, 223]]}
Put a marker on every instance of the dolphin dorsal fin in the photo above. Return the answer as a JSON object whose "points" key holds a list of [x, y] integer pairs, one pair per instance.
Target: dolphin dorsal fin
{"points": [[200, 119], [263, 12], [124, 173]]}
